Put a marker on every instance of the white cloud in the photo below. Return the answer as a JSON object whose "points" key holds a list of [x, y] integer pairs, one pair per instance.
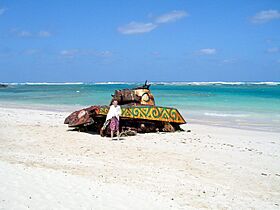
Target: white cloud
{"points": [[266, 16], [30, 51], [3, 10], [171, 16], [137, 28], [273, 50], [207, 51], [24, 33], [229, 61], [69, 53], [104, 54], [44, 34]]}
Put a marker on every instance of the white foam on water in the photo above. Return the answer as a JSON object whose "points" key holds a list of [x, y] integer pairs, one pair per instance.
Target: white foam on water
{"points": [[266, 83], [153, 83], [215, 114], [114, 83], [44, 83], [215, 83]]}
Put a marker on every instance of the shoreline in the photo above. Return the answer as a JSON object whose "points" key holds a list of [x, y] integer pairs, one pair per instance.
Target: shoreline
{"points": [[208, 121], [252, 106]]}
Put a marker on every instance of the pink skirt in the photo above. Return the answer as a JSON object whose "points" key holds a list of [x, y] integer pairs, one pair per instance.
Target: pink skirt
{"points": [[114, 124]]}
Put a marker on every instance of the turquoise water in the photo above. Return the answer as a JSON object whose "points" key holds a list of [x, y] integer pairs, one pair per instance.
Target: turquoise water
{"points": [[245, 105]]}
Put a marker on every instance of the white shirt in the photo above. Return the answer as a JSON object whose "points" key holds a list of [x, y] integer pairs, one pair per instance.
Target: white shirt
{"points": [[114, 112]]}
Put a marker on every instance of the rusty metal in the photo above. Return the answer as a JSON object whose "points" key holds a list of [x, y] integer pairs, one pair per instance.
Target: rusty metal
{"points": [[139, 114]]}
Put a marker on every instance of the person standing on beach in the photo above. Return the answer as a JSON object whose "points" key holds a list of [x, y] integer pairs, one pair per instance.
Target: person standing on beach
{"points": [[114, 117]]}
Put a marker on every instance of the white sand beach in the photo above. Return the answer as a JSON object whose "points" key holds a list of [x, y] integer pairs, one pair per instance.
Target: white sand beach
{"points": [[44, 165]]}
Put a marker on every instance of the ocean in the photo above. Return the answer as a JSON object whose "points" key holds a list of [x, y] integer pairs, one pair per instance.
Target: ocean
{"points": [[245, 105]]}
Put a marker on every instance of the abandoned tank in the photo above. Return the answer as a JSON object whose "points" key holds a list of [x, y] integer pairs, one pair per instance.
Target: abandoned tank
{"points": [[139, 114]]}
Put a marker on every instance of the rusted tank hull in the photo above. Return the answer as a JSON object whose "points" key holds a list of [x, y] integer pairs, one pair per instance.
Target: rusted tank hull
{"points": [[82, 117], [137, 118], [139, 114]]}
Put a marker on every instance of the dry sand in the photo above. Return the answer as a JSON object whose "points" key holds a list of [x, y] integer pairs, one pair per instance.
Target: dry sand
{"points": [[43, 165]]}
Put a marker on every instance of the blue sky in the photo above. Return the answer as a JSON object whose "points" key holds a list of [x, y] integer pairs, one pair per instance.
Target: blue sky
{"points": [[158, 40]]}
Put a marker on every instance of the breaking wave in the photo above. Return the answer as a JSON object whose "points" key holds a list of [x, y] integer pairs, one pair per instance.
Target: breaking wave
{"points": [[45, 83], [115, 83], [153, 83], [214, 114], [215, 83]]}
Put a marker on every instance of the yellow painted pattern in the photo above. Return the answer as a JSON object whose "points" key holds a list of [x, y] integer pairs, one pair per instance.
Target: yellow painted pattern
{"points": [[165, 114]]}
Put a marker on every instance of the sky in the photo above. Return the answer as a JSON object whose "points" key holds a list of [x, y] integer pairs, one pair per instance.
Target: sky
{"points": [[132, 40]]}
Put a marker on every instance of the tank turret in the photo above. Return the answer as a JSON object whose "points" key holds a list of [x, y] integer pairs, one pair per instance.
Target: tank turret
{"points": [[139, 114], [136, 96]]}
